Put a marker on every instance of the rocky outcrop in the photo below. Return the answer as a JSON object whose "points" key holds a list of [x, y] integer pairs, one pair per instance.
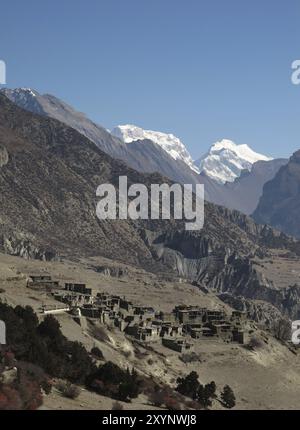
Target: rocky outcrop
{"points": [[244, 193], [259, 311], [279, 205], [222, 269], [114, 272], [25, 249]]}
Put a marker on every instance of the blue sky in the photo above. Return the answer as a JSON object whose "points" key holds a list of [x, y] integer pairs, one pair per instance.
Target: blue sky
{"points": [[201, 69]]}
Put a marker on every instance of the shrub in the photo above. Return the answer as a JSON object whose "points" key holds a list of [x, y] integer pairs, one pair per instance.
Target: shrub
{"points": [[127, 353], [68, 390], [99, 333], [157, 397], [190, 357], [228, 397], [147, 385], [171, 403], [30, 392], [129, 388], [37, 374], [21, 392], [192, 404], [255, 343], [97, 353], [8, 359], [9, 399], [117, 406]]}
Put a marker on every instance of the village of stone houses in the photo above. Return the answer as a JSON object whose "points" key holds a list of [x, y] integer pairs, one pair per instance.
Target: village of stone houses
{"points": [[177, 330], [164, 328]]}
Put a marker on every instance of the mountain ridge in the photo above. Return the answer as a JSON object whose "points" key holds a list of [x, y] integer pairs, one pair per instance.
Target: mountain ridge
{"points": [[144, 155]]}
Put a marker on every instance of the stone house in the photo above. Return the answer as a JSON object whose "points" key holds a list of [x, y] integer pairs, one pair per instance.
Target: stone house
{"points": [[113, 302], [120, 324], [78, 288], [178, 345], [166, 317], [42, 281], [222, 330], [90, 311], [125, 304], [190, 314], [240, 336], [106, 316], [143, 332], [239, 316], [214, 315]]}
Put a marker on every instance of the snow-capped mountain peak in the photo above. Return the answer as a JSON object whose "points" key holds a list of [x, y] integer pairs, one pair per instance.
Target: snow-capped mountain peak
{"points": [[225, 160], [170, 143], [20, 92]]}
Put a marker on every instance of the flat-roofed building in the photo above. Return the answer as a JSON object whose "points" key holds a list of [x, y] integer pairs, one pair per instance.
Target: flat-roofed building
{"points": [[78, 288], [178, 345], [42, 281]]}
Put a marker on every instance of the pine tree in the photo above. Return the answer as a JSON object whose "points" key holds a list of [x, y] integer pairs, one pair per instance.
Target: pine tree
{"points": [[228, 397], [204, 395], [188, 386], [211, 389]]}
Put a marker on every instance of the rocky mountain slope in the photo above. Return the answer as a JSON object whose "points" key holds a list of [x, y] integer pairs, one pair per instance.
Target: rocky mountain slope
{"points": [[156, 152], [279, 204], [245, 191], [143, 155], [48, 178]]}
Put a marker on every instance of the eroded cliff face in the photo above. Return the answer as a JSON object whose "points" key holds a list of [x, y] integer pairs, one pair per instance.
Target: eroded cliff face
{"points": [[257, 310], [224, 269], [240, 278], [23, 247]]}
